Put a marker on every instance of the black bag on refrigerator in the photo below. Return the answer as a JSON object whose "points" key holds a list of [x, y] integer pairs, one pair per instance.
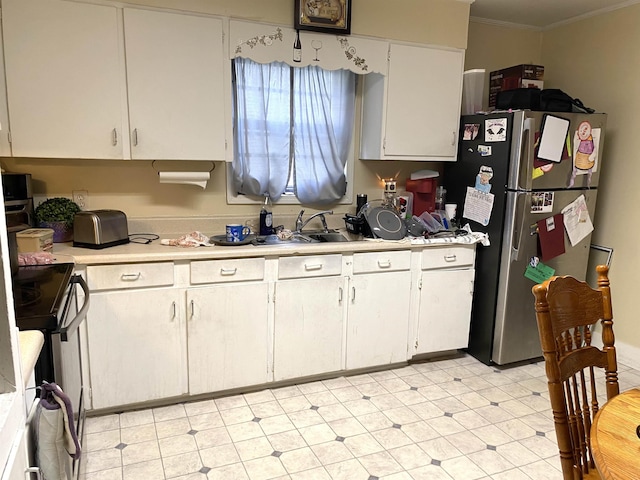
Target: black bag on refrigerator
{"points": [[518, 99], [547, 100], [555, 100]]}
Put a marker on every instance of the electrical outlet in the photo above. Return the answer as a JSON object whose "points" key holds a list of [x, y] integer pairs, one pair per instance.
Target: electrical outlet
{"points": [[81, 197]]}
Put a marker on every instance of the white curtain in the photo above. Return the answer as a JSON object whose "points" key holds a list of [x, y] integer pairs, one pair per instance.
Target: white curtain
{"points": [[323, 114], [263, 128], [324, 104]]}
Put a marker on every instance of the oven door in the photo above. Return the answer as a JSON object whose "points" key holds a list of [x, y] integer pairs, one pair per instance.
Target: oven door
{"points": [[67, 357]]}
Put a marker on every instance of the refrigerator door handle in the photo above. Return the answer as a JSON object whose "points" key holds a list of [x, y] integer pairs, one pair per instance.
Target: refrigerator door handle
{"points": [[526, 154], [519, 231]]}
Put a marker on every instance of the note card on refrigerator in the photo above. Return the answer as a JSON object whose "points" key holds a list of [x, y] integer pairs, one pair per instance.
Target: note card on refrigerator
{"points": [[553, 134]]}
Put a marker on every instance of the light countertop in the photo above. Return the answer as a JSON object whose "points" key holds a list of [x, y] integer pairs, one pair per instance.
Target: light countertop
{"points": [[31, 342], [154, 251]]}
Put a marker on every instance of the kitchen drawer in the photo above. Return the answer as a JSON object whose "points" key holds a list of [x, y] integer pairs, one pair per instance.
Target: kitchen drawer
{"points": [[222, 271], [381, 261], [132, 275], [448, 257], [311, 266]]}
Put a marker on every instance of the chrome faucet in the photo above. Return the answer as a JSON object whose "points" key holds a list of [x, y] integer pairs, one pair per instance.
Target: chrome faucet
{"points": [[300, 224]]}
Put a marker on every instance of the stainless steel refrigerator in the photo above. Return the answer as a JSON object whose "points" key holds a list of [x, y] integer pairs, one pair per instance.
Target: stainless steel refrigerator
{"points": [[515, 174]]}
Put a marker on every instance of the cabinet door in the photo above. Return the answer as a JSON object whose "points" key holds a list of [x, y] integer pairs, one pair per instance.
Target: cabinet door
{"points": [[227, 336], [137, 346], [445, 310], [309, 323], [175, 85], [63, 79], [378, 319], [17, 463], [423, 102]]}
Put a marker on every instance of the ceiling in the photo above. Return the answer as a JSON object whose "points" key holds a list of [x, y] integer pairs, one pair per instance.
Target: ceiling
{"points": [[541, 13]]}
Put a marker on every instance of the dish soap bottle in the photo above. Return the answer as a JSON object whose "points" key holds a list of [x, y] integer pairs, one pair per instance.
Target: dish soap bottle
{"points": [[266, 217]]}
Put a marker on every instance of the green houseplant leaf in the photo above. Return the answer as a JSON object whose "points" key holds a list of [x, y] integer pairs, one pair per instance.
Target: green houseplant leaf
{"points": [[58, 209]]}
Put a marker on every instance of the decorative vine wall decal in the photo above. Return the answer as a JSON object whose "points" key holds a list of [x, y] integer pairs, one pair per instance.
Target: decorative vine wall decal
{"points": [[350, 53], [264, 40]]}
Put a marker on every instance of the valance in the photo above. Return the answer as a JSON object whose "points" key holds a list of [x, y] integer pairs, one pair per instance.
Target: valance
{"points": [[273, 43]]}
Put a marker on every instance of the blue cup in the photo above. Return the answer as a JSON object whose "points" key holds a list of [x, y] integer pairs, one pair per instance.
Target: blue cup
{"points": [[237, 233]]}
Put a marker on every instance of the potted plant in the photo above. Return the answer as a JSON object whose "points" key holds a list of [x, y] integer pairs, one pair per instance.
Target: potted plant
{"points": [[57, 213]]}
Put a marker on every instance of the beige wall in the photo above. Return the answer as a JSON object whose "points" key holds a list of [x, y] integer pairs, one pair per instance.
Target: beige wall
{"points": [[133, 186], [596, 60], [494, 47]]}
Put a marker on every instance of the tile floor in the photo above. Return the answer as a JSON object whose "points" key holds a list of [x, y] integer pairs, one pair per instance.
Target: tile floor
{"points": [[446, 419]]}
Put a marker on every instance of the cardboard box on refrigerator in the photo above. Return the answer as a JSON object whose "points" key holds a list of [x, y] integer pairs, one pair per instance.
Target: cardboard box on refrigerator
{"points": [[518, 76]]}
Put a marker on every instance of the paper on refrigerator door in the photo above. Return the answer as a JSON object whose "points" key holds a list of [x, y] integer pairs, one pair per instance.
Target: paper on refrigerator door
{"points": [[577, 221], [478, 206]]}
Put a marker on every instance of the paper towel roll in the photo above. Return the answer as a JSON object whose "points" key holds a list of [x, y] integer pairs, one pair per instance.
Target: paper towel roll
{"points": [[187, 178]]}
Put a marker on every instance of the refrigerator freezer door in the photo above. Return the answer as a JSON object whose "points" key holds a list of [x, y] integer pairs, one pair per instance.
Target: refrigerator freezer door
{"points": [[516, 332], [575, 170]]}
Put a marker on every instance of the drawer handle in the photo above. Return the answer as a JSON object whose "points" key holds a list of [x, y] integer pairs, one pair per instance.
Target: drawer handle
{"points": [[227, 272], [313, 266], [384, 263], [450, 258], [130, 277]]}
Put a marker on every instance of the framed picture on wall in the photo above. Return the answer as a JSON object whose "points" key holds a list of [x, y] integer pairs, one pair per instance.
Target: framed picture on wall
{"points": [[328, 16]]}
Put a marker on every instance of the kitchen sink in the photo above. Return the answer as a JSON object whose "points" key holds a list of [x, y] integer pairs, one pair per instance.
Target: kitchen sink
{"points": [[328, 237], [304, 238]]}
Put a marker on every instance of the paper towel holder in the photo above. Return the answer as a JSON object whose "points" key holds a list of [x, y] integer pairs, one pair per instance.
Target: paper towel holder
{"points": [[182, 162]]}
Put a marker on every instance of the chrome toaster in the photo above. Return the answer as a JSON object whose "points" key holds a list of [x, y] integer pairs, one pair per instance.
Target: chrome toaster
{"points": [[100, 229]]}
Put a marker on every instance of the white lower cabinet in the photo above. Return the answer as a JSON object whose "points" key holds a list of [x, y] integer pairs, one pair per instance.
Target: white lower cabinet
{"points": [[18, 462], [446, 292], [378, 312], [228, 338], [137, 346], [308, 316], [167, 329]]}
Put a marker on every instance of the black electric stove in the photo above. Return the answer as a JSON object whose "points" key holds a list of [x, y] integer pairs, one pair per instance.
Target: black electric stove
{"points": [[38, 294]]}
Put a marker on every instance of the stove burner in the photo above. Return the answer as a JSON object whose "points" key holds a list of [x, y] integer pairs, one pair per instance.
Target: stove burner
{"points": [[26, 296]]}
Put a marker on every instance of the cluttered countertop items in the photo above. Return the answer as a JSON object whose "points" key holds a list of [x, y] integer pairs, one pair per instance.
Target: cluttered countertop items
{"points": [[417, 215]]}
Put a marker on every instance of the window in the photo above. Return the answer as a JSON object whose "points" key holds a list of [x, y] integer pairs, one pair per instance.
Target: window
{"points": [[293, 130]]}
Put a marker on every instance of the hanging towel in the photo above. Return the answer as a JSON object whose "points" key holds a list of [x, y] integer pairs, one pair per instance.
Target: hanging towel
{"points": [[55, 432]]}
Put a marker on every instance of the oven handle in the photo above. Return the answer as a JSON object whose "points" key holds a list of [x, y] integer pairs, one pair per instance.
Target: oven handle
{"points": [[68, 330]]}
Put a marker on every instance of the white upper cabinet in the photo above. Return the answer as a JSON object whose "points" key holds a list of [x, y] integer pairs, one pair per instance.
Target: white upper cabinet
{"points": [[413, 113], [175, 67], [63, 79], [83, 84]]}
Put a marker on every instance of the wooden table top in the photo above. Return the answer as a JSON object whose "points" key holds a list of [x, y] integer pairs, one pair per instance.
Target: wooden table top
{"points": [[615, 440]]}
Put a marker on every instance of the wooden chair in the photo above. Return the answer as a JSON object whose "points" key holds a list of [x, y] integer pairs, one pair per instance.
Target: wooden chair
{"points": [[566, 311]]}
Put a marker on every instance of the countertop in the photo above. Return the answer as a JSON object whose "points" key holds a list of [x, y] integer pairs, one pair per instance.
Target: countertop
{"points": [[165, 228], [31, 342], [154, 251]]}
